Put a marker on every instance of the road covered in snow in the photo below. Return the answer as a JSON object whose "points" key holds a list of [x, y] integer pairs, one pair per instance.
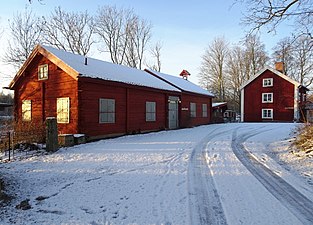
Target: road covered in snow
{"points": [[214, 174]]}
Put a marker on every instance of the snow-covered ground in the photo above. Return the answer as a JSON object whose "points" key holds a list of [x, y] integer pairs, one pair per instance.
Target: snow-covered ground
{"points": [[215, 174]]}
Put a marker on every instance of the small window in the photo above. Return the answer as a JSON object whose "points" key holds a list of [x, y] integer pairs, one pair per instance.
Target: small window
{"points": [[26, 110], [150, 111], [43, 72], [193, 112], [106, 110], [204, 110], [267, 113], [63, 110], [268, 82], [267, 97]]}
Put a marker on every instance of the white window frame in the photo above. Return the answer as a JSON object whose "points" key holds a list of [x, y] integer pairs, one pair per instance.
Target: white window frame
{"points": [[43, 71], [106, 110], [267, 97], [26, 110], [267, 113], [150, 111], [63, 110], [193, 109], [268, 82], [204, 110]]}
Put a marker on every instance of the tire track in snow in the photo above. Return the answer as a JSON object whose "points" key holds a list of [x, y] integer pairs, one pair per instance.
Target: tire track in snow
{"points": [[204, 201], [291, 198], [162, 209]]}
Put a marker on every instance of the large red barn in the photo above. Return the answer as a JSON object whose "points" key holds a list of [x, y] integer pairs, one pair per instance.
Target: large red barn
{"points": [[272, 96], [101, 99]]}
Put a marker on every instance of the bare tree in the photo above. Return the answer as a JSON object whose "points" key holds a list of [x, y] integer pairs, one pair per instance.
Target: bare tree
{"points": [[124, 34], [255, 55], [156, 54], [297, 56], [303, 56], [212, 72], [69, 31], [283, 52], [236, 75], [25, 33], [140, 35], [111, 26], [271, 13]]}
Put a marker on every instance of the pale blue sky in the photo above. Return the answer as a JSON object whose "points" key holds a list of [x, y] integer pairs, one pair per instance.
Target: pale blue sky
{"points": [[185, 28]]}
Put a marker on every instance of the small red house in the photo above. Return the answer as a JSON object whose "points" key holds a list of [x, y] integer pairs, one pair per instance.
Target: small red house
{"points": [[272, 96], [218, 110], [100, 99]]}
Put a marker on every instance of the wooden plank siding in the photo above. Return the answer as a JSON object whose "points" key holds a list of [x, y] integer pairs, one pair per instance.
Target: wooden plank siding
{"points": [[130, 107], [283, 99], [44, 93], [186, 119]]}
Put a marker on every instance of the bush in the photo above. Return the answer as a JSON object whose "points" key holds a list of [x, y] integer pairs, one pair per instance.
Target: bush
{"points": [[23, 132], [304, 141], [29, 132]]}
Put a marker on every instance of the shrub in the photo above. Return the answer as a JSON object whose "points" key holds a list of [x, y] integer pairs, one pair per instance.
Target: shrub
{"points": [[304, 141]]}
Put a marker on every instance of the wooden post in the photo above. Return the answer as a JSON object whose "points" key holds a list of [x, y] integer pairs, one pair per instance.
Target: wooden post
{"points": [[51, 134]]}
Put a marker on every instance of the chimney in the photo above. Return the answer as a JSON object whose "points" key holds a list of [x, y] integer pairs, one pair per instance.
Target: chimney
{"points": [[279, 66], [86, 61]]}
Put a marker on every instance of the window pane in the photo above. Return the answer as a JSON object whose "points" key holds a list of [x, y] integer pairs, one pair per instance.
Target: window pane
{"points": [[150, 111], [43, 72], [193, 109], [107, 110], [26, 110], [204, 110], [63, 110]]}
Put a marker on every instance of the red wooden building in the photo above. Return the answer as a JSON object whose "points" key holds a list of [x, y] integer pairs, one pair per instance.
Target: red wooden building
{"points": [[101, 99], [272, 96], [194, 106], [218, 110]]}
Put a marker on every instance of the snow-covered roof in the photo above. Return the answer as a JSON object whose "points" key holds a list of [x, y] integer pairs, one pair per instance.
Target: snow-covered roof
{"points": [[275, 72], [108, 71], [217, 104], [181, 83]]}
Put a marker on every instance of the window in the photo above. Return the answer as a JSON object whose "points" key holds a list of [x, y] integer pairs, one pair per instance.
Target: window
{"points": [[106, 110], [63, 110], [26, 110], [204, 110], [268, 82], [267, 97], [193, 112], [267, 113], [150, 111], [43, 72]]}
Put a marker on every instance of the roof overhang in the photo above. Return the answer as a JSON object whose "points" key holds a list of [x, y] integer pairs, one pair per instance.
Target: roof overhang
{"points": [[41, 50]]}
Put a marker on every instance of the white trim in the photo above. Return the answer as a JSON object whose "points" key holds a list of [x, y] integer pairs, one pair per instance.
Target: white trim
{"points": [[296, 105], [268, 79], [267, 94], [275, 72], [242, 111], [271, 110]]}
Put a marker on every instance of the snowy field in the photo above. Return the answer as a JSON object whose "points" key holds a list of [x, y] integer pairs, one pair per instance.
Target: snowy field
{"points": [[216, 174]]}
